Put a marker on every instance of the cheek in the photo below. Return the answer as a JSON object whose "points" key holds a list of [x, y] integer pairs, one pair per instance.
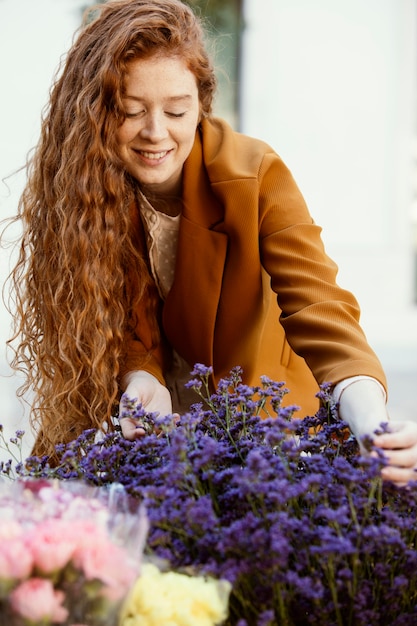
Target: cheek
{"points": [[188, 136], [124, 134]]}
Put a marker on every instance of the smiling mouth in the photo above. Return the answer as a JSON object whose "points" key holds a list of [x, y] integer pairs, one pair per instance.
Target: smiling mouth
{"points": [[152, 156]]}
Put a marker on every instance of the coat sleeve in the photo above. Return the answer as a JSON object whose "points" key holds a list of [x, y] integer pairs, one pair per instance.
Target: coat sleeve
{"points": [[320, 319], [140, 358]]}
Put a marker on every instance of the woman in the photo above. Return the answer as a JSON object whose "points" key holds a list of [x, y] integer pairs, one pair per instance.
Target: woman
{"points": [[156, 237]]}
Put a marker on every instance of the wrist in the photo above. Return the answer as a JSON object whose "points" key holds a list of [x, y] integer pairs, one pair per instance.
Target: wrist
{"points": [[137, 376], [362, 405]]}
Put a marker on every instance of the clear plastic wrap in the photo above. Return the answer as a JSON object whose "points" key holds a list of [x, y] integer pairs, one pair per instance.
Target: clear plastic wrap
{"points": [[69, 552]]}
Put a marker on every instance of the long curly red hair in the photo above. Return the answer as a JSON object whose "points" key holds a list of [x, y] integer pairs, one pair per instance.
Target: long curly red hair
{"points": [[72, 301]]}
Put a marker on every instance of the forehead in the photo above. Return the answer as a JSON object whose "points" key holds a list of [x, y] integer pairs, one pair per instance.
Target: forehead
{"points": [[159, 74]]}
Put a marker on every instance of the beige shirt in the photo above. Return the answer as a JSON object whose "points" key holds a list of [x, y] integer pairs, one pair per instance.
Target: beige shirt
{"points": [[162, 239]]}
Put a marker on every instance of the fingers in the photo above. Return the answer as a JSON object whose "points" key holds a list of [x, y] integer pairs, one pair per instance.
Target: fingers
{"points": [[401, 476], [130, 428], [135, 428], [400, 451], [142, 401], [406, 458], [401, 435]]}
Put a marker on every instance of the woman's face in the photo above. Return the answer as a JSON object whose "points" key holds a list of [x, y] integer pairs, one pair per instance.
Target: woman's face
{"points": [[162, 112]]}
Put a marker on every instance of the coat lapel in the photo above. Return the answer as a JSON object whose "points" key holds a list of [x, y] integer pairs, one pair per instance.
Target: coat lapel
{"points": [[190, 310]]}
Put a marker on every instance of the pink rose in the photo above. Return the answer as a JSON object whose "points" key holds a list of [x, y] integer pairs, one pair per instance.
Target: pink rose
{"points": [[36, 600], [108, 563], [52, 544], [89, 533], [9, 529], [16, 560]]}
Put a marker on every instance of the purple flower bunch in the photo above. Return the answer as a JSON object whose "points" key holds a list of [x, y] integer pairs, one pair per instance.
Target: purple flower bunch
{"points": [[284, 508]]}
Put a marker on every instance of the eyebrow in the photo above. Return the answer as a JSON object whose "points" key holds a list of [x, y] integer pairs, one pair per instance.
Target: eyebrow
{"points": [[170, 99]]}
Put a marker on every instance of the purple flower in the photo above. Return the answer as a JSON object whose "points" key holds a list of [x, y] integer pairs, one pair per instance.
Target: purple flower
{"points": [[285, 509]]}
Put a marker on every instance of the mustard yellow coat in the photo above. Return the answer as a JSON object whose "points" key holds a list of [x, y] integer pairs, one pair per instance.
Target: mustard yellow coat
{"points": [[253, 285]]}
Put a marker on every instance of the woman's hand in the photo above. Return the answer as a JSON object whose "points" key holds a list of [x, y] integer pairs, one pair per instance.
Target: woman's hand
{"points": [[400, 449], [362, 406], [147, 391]]}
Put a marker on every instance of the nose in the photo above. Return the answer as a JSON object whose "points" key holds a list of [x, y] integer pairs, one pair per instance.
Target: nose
{"points": [[154, 128]]}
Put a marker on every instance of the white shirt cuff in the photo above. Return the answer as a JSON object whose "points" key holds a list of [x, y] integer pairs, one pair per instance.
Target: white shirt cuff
{"points": [[340, 387]]}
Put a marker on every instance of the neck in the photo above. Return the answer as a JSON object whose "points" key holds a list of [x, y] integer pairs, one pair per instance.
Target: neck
{"points": [[168, 204]]}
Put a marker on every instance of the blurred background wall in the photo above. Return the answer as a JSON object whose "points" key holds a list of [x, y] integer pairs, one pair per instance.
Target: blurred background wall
{"points": [[331, 85]]}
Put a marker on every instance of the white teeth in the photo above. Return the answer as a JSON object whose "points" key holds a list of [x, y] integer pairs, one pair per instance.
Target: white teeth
{"points": [[153, 155]]}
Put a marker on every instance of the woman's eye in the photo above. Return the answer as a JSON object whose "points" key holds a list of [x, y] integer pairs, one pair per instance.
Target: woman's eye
{"points": [[131, 114], [175, 114]]}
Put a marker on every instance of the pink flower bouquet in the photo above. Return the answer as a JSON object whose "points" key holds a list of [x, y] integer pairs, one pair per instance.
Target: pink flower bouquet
{"points": [[69, 553]]}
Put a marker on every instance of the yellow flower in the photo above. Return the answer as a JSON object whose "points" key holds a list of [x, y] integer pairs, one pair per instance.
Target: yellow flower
{"points": [[172, 599]]}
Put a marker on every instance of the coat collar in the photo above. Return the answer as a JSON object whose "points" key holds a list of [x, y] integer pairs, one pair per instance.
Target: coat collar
{"points": [[200, 204], [190, 310]]}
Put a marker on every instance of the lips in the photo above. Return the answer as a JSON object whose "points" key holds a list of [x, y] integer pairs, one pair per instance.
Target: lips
{"points": [[152, 156]]}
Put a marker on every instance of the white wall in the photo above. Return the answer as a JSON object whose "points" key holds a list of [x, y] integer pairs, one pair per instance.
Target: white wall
{"points": [[331, 85]]}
